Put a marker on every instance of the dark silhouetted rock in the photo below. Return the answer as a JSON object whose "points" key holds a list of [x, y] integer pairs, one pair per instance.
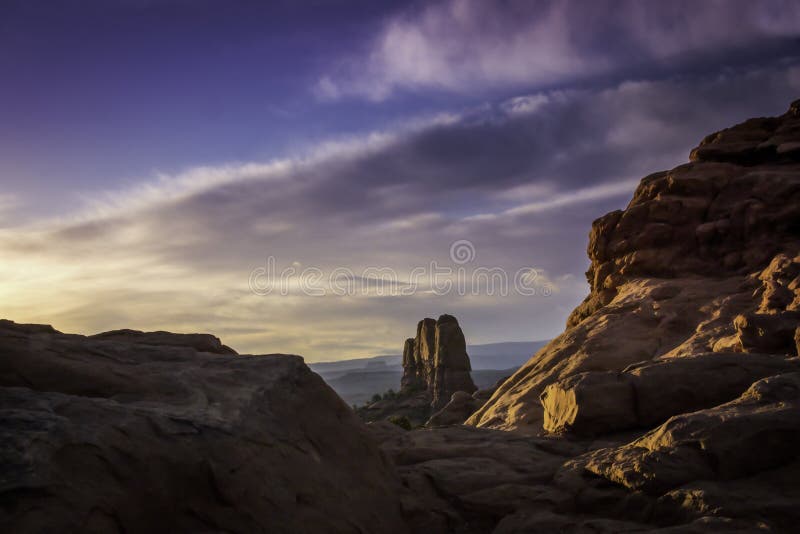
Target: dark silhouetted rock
{"points": [[455, 412], [414, 405], [117, 433], [413, 376], [199, 342]]}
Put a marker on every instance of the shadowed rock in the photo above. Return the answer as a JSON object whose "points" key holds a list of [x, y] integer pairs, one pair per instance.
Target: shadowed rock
{"points": [[436, 360], [455, 412], [199, 342], [118, 433]]}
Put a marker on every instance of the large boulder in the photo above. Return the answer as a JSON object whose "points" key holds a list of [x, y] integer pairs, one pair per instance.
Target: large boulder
{"points": [[590, 403], [118, 433]]}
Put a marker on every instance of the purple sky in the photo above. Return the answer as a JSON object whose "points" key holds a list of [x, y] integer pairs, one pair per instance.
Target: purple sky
{"points": [[153, 153]]}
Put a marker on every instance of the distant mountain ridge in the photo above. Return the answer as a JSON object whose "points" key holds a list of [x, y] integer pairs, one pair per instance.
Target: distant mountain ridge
{"points": [[486, 356], [357, 380]]}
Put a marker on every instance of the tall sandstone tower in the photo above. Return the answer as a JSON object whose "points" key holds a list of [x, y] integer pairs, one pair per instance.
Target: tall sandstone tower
{"points": [[436, 360]]}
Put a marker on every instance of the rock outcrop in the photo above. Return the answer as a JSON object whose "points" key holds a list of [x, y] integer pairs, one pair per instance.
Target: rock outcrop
{"points": [[436, 379], [436, 360], [648, 394], [758, 431], [671, 400], [199, 342], [134, 432], [705, 258], [462, 405], [436, 371]]}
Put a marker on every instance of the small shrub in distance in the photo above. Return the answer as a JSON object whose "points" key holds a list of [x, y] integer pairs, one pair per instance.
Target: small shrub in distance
{"points": [[401, 421]]}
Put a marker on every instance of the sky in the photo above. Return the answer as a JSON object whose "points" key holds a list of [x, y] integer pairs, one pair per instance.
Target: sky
{"points": [[298, 177]]}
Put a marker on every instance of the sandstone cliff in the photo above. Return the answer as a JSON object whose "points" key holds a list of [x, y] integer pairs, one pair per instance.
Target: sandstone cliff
{"points": [[670, 403], [704, 260]]}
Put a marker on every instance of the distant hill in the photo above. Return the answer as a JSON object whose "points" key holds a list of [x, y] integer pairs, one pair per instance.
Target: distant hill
{"points": [[488, 356], [503, 355], [357, 387], [357, 380]]}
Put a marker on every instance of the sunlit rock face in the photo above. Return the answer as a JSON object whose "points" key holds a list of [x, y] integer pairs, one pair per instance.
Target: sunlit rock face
{"points": [[158, 432], [757, 431], [671, 400], [705, 259], [436, 360], [648, 394]]}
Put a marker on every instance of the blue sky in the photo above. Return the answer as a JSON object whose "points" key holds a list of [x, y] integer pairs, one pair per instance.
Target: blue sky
{"points": [[153, 153], [109, 92]]}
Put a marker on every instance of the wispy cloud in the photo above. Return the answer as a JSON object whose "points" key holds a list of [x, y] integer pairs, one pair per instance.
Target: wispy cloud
{"points": [[521, 178], [561, 200], [471, 45], [8, 204]]}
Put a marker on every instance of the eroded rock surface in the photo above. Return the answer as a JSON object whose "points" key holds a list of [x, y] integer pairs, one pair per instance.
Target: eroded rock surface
{"points": [[648, 394], [475, 481], [436, 360], [436, 370], [756, 432], [678, 375], [455, 412], [465, 479], [705, 258], [119, 433]]}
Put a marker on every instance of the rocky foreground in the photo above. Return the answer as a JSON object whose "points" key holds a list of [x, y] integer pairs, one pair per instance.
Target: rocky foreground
{"points": [[671, 403], [158, 432]]}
